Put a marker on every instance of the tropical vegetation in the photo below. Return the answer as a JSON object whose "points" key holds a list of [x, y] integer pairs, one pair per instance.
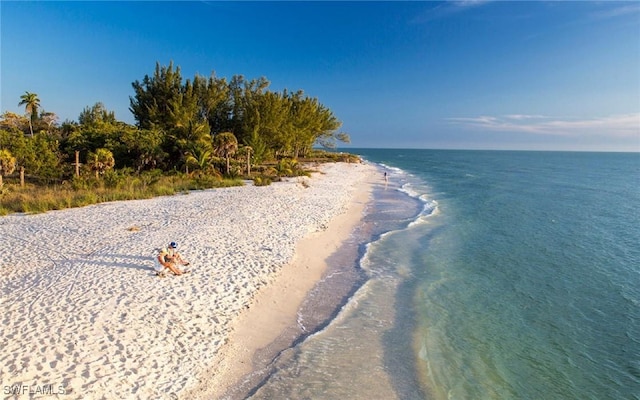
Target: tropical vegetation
{"points": [[188, 134]]}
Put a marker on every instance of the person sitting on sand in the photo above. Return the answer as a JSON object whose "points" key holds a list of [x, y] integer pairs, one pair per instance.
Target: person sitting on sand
{"points": [[170, 258]]}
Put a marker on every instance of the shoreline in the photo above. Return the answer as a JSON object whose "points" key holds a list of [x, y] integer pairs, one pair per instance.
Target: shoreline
{"points": [[272, 323], [84, 311]]}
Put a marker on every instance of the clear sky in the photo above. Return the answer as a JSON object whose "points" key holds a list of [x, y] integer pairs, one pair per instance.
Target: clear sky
{"points": [[423, 74]]}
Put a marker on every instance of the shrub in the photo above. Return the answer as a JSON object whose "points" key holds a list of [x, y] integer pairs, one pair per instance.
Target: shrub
{"points": [[113, 179], [151, 177], [262, 180], [84, 183]]}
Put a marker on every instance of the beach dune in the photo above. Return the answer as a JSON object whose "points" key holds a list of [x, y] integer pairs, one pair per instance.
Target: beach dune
{"points": [[84, 316]]}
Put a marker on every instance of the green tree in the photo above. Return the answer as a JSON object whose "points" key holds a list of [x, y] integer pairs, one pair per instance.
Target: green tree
{"points": [[199, 157], [237, 106], [214, 103], [246, 152], [225, 145], [45, 160], [96, 115], [259, 147], [190, 128], [39, 155], [304, 118], [326, 134], [245, 99], [100, 161], [13, 122], [7, 163], [31, 104], [274, 124], [156, 97], [141, 148], [97, 129]]}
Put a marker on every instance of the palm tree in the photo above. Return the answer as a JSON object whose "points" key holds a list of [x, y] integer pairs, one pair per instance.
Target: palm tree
{"points": [[248, 150], [191, 135], [199, 157], [287, 167], [225, 145], [100, 161], [31, 104]]}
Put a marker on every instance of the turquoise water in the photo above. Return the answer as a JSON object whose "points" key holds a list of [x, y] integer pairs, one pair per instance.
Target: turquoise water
{"points": [[488, 275]]}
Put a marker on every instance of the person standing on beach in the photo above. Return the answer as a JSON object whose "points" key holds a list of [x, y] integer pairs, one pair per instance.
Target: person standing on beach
{"points": [[169, 258]]}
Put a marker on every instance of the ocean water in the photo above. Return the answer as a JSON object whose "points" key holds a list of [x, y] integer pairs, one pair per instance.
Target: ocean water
{"points": [[483, 275]]}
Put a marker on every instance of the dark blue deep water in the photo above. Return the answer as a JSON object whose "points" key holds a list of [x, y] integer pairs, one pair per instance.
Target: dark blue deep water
{"points": [[489, 275]]}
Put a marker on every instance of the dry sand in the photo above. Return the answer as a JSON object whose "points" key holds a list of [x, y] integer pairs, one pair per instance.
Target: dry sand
{"points": [[84, 316]]}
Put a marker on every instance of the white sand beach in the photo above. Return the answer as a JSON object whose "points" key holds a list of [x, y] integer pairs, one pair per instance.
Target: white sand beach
{"points": [[85, 317]]}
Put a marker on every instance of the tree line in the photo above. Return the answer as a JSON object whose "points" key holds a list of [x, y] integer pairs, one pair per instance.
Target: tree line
{"points": [[206, 125]]}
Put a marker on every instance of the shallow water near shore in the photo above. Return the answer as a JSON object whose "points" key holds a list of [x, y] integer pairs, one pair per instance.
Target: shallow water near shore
{"points": [[485, 275], [322, 365]]}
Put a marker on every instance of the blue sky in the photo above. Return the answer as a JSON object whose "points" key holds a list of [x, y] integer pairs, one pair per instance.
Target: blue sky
{"points": [[421, 74]]}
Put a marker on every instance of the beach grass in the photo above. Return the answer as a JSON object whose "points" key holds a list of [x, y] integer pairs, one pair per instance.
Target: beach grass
{"points": [[116, 185], [81, 192]]}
